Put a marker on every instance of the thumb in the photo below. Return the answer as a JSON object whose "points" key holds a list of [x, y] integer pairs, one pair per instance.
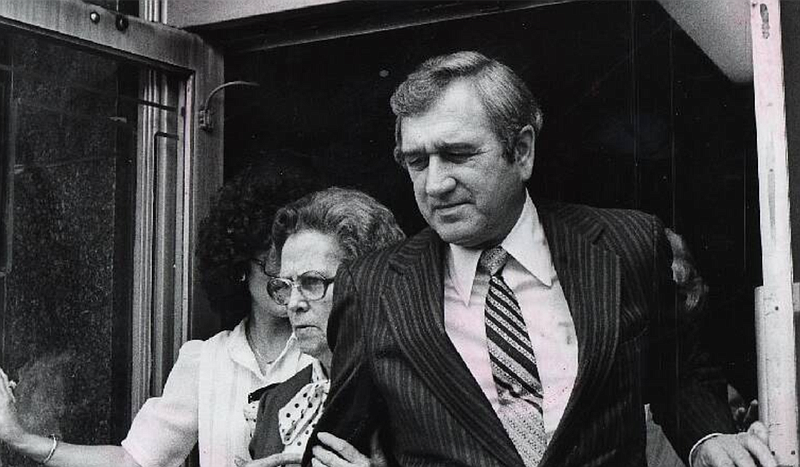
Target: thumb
{"points": [[760, 430]]}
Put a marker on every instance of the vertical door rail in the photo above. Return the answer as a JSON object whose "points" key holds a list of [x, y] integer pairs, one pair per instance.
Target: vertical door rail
{"points": [[160, 313], [775, 337]]}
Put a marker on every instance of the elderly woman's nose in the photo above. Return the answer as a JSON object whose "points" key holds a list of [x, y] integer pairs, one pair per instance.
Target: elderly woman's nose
{"points": [[297, 302]]}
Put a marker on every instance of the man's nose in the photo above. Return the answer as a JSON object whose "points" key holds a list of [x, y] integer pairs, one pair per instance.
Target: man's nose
{"points": [[438, 180]]}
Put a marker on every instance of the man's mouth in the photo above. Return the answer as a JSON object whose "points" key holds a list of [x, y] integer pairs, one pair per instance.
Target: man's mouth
{"points": [[447, 208], [440, 206]]}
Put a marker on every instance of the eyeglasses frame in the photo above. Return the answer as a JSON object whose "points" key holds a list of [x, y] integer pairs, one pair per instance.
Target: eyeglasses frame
{"points": [[326, 282]]}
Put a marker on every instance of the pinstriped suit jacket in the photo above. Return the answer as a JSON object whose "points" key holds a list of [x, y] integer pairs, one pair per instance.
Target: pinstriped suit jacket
{"points": [[395, 368]]}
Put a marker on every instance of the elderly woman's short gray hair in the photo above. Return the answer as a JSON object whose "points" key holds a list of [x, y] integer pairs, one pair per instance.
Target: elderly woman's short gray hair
{"points": [[356, 220]]}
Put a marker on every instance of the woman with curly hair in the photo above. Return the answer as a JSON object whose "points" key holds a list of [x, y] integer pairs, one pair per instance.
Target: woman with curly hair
{"points": [[207, 397]]}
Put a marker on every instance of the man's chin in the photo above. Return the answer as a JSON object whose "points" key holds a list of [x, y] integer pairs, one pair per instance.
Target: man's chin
{"points": [[455, 236], [464, 237]]}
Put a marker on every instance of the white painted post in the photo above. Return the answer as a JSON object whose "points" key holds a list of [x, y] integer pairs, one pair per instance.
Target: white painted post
{"points": [[775, 337]]}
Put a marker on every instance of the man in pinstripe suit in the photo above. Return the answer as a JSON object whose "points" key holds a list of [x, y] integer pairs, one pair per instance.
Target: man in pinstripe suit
{"points": [[511, 333]]}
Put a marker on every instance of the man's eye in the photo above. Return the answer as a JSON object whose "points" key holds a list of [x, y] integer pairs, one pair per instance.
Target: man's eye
{"points": [[458, 156], [417, 162]]}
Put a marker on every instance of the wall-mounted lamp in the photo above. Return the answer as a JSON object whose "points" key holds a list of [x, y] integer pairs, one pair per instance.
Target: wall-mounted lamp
{"points": [[205, 112]]}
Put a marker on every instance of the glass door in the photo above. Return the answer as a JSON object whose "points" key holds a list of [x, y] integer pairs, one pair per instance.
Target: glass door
{"points": [[101, 185]]}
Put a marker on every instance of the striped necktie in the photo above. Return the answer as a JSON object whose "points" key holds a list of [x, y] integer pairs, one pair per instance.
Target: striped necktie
{"points": [[519, 389]]}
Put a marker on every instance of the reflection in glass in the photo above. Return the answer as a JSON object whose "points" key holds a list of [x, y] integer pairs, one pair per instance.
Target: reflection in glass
{"points": [[66, 306]]}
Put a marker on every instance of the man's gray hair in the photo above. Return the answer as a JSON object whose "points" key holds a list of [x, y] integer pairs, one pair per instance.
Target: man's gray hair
{"points": [[508, 102], [357, 221]]}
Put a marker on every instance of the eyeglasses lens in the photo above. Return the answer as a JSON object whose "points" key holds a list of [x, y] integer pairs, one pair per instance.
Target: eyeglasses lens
{"points": [[280, 290], [312, 286]]}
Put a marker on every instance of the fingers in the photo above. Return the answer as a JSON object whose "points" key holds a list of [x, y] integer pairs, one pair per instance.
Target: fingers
{"points": [[11, 386], [739, 450], [752, 413], [721, 452], [275, 460], [759, 430], [325, 458], [7, 387], [344, 449], [755, 441]]}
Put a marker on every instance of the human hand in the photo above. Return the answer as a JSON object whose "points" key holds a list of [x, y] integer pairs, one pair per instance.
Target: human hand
{"points": [[340, 453], [739, 450], [743, 416], [281, 459], [10, 428]]}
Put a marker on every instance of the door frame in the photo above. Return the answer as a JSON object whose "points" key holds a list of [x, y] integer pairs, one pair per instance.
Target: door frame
{"points": [[200, 66]]}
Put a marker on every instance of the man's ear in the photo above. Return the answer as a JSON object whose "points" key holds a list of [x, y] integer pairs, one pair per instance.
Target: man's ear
{"points": [[524, 151]]}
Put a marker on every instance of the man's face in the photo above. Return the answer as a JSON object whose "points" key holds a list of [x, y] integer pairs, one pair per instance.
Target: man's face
{"points": [[465, 189]]}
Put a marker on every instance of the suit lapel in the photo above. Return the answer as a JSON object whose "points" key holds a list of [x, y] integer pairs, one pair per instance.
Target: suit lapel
{"points": [[590, 278], [416, 315]]}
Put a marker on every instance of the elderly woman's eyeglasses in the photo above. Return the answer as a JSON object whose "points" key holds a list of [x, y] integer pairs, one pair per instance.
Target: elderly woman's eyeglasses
{"points": [[313, 285]]}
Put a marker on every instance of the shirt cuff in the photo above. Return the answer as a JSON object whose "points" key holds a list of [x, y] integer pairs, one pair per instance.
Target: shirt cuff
{"points": [[698, 443]]}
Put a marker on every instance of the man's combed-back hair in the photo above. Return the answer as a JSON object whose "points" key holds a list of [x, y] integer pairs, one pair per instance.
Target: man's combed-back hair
{"points": [[357, 221], [508, 102], [239, 226]]}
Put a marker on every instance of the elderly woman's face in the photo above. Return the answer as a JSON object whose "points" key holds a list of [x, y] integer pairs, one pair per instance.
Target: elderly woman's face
{"points": [[257, 284], [309, 252]]}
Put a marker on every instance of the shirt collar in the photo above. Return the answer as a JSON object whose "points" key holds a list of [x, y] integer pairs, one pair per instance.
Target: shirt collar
{"points": [[526, 243], [240, 352]]}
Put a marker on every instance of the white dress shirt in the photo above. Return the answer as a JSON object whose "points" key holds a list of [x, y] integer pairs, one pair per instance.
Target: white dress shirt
{"points": [[531, 275], [204, 400]]}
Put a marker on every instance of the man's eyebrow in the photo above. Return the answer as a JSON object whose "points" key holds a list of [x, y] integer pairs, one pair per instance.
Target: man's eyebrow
{"points": [[411, 153], [456, 147], [439, 148]]}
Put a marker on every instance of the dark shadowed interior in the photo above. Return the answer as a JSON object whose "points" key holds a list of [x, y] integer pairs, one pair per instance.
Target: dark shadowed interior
{"points": [[636, 116]]}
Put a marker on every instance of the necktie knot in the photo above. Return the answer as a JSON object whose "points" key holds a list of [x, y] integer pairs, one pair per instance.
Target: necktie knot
{"points": [[493, 260]]}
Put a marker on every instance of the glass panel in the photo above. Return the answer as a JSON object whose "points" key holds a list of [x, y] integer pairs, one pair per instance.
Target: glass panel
{"points": [[6, 171], [66, 302]]}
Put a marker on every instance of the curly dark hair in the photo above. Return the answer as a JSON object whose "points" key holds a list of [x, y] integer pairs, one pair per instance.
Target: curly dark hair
{"points": [[239, 226]]}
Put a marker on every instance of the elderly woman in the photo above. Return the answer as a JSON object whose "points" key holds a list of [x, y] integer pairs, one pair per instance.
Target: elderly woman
{"points": [[205, 399], [314, 235]]}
